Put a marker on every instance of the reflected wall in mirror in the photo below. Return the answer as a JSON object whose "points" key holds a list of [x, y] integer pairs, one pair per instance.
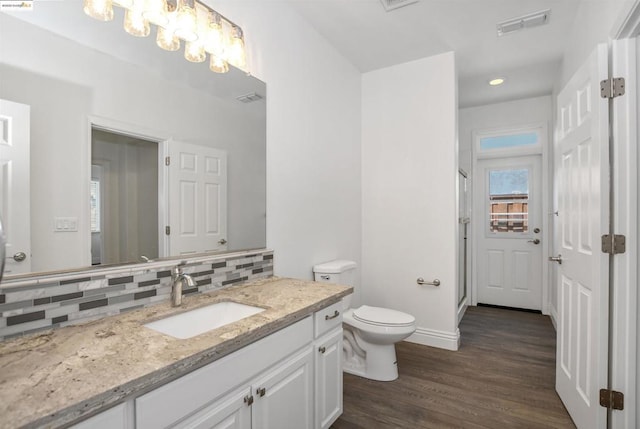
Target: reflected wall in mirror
{"points": [[65, 79]]}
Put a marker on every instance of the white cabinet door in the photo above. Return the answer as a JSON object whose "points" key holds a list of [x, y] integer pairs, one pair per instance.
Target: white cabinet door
{"points": [[328, 378], [284, 396], [232, 412]]}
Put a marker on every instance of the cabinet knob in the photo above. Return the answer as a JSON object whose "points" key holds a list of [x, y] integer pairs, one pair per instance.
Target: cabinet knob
{"points": [[322, 349], [248, 400], [261, 391]]}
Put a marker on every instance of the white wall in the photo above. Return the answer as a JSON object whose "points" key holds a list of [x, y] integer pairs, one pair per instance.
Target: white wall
{"points": [[91, 83], [409, 193], [594, 23], [313, 137], [528, 111]]}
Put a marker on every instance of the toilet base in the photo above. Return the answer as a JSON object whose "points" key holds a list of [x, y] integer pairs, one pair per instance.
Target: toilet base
{"points": [[380, 364]]}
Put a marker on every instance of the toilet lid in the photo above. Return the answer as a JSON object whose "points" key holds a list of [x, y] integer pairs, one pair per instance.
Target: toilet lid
{"points": [[382, 316]]}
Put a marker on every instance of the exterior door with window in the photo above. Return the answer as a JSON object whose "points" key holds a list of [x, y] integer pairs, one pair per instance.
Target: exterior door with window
{"points": [[509, 242]]}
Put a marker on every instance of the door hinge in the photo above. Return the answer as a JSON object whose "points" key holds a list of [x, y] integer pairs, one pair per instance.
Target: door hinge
{"points": [[612, 87], [613, 244], [248, 400], [167, 230], [167, 160], [611, 399]]}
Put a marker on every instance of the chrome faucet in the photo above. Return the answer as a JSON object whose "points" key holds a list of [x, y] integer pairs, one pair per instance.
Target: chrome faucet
{"points": [[179, 279]]}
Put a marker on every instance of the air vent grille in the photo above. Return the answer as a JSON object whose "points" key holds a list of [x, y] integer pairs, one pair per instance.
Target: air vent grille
{"points": [[526, 21], [390, 5], [249, 98]]}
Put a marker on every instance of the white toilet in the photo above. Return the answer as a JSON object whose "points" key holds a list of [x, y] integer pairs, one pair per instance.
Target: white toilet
{"points": [[370, 333]]}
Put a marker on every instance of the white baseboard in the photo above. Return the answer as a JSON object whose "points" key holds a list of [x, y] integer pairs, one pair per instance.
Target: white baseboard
{"points": [[553, 314], [435, 338]]}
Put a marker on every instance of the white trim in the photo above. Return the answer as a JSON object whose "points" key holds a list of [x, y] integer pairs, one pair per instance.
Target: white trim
{"points": [[133, 130], [625, 214], [462, 308], [628, 24], [434, 338], [553, 315]]}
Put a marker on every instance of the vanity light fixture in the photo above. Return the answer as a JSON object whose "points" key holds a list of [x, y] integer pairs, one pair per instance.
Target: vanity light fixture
{"points": [[203, 30], [497, 81]]}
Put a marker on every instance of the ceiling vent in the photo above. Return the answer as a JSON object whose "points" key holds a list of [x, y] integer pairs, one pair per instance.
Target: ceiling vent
{"points": [[390, 5], [249, 98], [527, 21]]}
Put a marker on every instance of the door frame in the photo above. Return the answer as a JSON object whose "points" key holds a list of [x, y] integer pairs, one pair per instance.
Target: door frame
{"points": [[137, 131], [624, 359], [478, 203]]}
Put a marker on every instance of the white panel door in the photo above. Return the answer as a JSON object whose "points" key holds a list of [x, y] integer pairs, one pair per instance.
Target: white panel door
{"points": [[582, 181], [15, 188], [510, 242], [197, 199]]}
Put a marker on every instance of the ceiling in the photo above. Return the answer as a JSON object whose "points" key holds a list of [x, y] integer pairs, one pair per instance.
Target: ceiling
{"points": [[372, 38]]}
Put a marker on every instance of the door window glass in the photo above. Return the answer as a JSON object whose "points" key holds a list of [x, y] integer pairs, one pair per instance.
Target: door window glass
{"points": [[509, 141], [509, 200]]}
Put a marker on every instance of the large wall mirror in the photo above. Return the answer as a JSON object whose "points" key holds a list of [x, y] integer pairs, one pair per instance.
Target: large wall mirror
{"points": [[114, 151]]}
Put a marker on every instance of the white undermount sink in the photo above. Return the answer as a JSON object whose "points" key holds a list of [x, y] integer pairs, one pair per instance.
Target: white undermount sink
{"points": [[200, 320]]}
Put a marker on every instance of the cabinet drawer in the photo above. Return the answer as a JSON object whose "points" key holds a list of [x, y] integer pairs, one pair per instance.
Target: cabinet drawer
{"points": [[328, 318]]}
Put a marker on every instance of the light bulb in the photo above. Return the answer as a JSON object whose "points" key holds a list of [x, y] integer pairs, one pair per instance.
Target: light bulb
{"points": [[217, 64], [156, 12], [167, 40], [186, 25], [194, 52], [213, 35], [101, 10], [135, 24], [236, 55]]}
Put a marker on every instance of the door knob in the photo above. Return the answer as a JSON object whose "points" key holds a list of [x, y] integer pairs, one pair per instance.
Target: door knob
{"points": [[20, 256], [222, 241], [534, 241], [557, 259]]}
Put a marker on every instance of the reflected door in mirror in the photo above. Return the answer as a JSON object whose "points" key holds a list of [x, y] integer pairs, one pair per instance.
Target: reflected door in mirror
{"points": [[197, 199], [15, 190]]}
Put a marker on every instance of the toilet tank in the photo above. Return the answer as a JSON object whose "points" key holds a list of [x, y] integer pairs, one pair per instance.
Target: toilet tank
{"points": [[339, 271]]}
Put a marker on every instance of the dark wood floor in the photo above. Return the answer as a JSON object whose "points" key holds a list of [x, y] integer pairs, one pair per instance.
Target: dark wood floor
{"points": [[502, 377]]}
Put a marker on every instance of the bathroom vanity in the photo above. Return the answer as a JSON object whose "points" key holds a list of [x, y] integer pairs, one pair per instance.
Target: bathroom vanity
{"points": [[278, 368]]}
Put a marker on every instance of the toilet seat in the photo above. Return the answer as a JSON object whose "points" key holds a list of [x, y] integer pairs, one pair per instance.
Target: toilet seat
{"points": [[382, 316]]}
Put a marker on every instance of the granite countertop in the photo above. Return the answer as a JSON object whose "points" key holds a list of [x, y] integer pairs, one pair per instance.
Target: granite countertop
{"points": [[53, 378]]}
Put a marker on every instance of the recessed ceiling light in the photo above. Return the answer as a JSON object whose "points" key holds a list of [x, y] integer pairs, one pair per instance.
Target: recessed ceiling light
{"points": [[497, 81]]}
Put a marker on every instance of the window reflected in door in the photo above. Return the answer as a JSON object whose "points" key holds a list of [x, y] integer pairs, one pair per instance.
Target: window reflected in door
{"points": [[509, 200]]}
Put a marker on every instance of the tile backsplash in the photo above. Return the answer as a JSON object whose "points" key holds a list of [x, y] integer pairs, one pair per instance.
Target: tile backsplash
{"points": [[36, 304]]}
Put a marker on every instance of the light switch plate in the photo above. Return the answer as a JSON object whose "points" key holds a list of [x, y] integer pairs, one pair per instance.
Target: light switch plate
{"points": [[65, 224]]}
